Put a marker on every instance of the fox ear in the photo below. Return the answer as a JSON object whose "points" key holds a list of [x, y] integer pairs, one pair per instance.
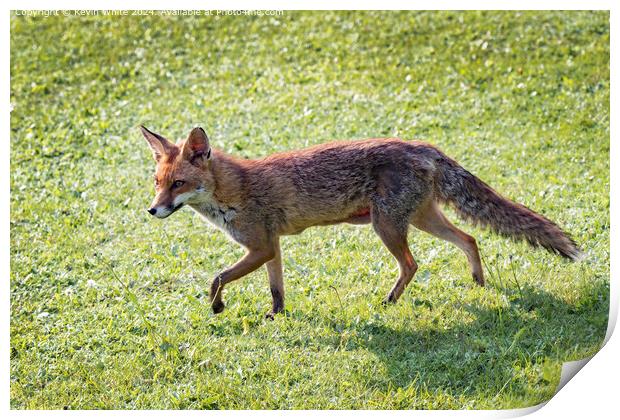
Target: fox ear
{"points": [[159, 145], [196, 148]]}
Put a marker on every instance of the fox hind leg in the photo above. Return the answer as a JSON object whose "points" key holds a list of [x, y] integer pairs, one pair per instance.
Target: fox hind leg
{"points": [[394, 236], [276, 283], [430, 219]]}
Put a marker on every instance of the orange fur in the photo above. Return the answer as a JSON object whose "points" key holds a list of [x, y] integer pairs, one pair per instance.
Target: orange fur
{"points": [[390, 183]]}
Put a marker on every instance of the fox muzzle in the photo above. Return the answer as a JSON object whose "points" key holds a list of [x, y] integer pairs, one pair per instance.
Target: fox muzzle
{"points": [[161, 212]]}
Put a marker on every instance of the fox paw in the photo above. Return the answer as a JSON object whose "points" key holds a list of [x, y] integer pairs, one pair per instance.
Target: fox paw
{"points": [[389, 300], [218, 307], [271, 314], [479, 280]]}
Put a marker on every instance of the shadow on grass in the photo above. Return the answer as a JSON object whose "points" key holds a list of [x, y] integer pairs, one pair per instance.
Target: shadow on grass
{"points": [[488, 356]]}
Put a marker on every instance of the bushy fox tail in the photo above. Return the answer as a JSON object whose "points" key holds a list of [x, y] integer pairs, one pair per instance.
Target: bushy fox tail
{"points": [[475, 201]]}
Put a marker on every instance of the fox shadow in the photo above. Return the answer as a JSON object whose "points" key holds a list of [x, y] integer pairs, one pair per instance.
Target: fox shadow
{"points": [[473, 357]]}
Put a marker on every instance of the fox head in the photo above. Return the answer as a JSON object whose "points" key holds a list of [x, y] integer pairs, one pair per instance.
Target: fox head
{"points": [[182, 174]]}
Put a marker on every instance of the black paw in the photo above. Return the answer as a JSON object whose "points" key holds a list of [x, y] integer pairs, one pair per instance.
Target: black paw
{"points": [[272, 313], [479, 280], [389, 300], [218, 307]]}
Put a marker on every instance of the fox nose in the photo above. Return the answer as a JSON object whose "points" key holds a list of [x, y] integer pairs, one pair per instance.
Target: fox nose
{"points": [[152, 211]]}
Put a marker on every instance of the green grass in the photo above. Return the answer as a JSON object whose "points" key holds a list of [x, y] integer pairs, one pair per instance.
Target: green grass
{"points": [[109, 306]]}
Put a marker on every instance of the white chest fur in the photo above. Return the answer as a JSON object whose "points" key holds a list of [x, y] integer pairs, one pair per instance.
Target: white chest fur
{"points": [[218, 215]]}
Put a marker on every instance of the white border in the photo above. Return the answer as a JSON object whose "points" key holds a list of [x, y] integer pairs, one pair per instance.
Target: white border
{"points": [[592, 392]]}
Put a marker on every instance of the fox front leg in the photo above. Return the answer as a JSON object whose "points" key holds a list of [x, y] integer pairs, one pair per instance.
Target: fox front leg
{"points": [[250, 262]]}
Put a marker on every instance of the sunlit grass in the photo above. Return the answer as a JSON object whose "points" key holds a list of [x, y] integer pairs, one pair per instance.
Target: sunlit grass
{"points": [[109, 306]]}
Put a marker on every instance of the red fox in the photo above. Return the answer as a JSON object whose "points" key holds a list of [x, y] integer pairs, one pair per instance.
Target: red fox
{"points": [[389, 183]]}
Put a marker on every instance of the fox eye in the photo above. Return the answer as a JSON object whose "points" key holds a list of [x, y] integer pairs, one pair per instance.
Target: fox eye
{"points": [[177, 184]]}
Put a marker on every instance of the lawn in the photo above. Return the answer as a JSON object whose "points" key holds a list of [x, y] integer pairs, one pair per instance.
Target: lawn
{"points": [[109, 306]]}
